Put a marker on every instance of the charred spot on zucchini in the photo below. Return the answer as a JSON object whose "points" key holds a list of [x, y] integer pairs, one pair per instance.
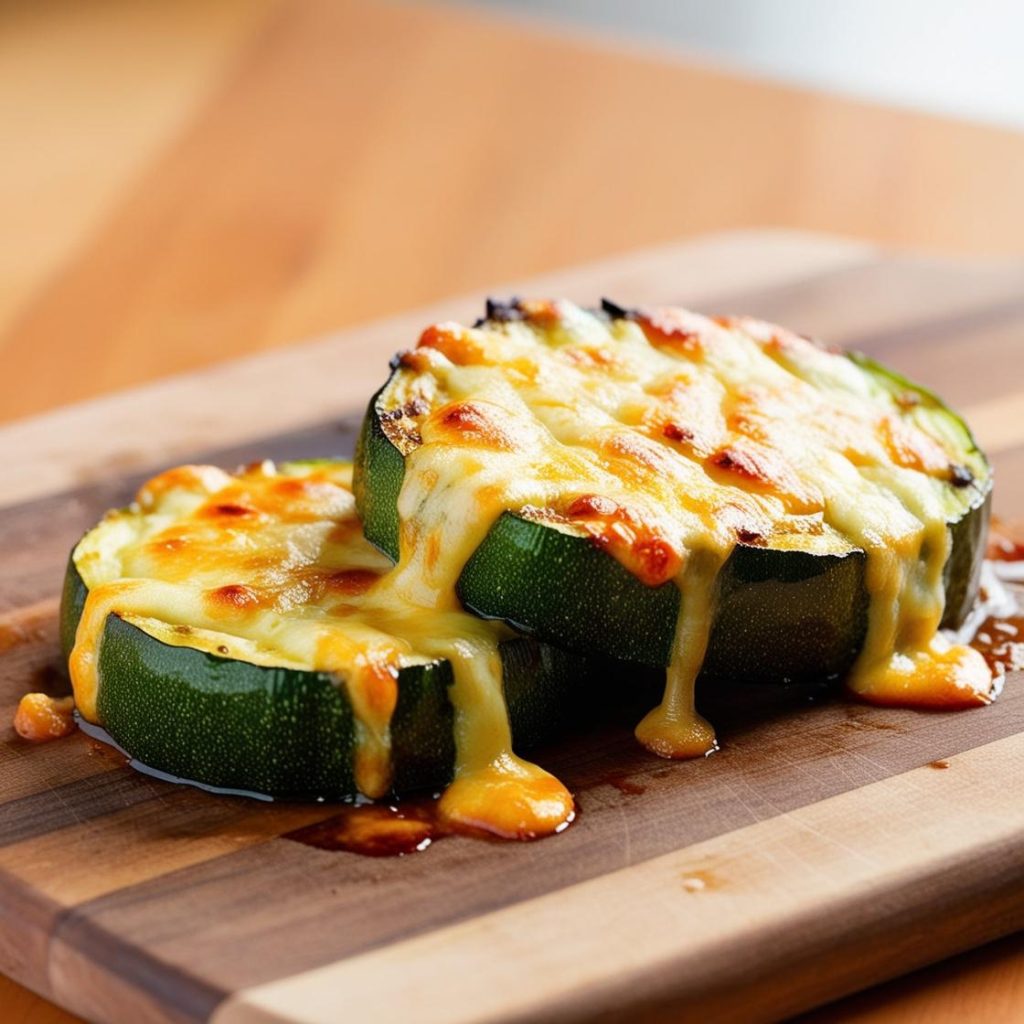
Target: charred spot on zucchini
{"points": [[237, 631], [717, 495]]}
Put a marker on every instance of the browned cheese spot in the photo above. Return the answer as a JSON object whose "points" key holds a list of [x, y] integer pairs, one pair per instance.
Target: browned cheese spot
{"points": [[473, 424], [455, 342]]}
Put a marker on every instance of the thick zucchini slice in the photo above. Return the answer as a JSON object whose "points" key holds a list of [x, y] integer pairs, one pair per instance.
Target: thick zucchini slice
{"points": [[782, 617], [790, 603], [222, 707]]}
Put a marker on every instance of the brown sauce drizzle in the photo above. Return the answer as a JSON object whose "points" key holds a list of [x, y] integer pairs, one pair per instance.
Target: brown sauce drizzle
{"points": [[375, 830], [1000, 641]]}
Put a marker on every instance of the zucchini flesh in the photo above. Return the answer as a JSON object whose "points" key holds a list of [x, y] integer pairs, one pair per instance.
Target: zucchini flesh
{"points": [[537, 390], [223, 699]]}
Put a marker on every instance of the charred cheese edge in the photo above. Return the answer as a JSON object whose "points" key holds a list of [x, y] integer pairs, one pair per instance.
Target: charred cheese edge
{"points": [[269, 566], [669, 438]]}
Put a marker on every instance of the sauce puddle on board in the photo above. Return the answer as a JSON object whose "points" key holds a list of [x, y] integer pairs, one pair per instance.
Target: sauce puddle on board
{"points": [[391, 830], [1000, 637], [1000, 641], [376, 830]]}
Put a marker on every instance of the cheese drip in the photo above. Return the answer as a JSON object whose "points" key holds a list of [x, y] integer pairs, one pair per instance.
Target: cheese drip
{"points": [[494, 790], [674, 729], [906, 661], [668, 438]]}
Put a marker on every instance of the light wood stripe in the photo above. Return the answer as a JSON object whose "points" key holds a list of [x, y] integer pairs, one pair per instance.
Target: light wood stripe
{"points": [[310, 383], [768, 906]]}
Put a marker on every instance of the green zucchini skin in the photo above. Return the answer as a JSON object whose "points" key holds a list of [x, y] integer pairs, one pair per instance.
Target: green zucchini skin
{"points": [[783, 617], [289, 734], [377, 480]]}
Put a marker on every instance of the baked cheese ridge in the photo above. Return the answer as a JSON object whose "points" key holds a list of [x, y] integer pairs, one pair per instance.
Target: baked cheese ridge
{"points": [[269, 565], [669, 437]]}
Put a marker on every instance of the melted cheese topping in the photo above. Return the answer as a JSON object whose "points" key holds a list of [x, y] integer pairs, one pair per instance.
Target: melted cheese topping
{"points": [[271, 567], [668, 438]]}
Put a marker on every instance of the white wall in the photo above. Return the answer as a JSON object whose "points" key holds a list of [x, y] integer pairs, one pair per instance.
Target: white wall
{"points": [[960, 57]]}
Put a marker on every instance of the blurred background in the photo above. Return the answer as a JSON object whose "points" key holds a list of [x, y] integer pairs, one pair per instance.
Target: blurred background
{"points": [[943, 56], [185, 181]]}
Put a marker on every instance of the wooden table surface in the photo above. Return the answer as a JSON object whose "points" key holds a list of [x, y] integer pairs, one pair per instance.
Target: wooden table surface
{"points": [[187, 182]]}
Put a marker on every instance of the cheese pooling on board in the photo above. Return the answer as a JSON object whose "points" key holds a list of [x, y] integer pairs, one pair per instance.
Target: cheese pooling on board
{"points": [[269, 566], [668, 438]]}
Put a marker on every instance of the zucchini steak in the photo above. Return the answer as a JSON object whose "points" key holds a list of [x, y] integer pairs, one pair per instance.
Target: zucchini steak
{"points": [[707, 495], [238, 631]]}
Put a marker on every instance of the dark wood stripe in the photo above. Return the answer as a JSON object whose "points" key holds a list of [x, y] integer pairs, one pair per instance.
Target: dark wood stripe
{"points": [[32, 663], [967, 350], [76, 802], [774, 301], [138, 977], [968, 366]]}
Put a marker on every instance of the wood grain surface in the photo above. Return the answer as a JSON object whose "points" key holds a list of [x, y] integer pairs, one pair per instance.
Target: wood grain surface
{"points": [[817, 853], [187, 182]]}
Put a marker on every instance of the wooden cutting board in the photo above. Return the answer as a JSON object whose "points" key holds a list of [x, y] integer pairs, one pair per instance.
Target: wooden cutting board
{"points": [[827, 846]]}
